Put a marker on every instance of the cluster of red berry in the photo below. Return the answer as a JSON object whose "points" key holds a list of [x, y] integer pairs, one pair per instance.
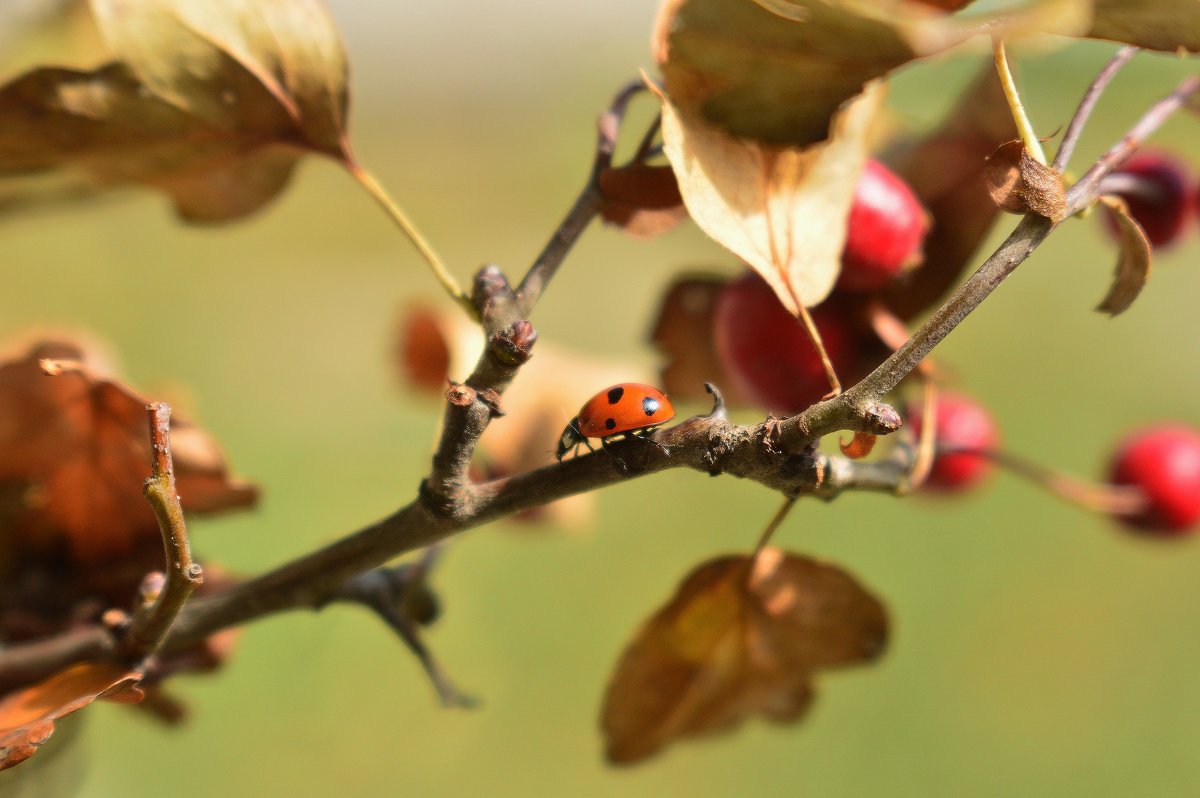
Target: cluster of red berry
{"points": [[771, 361]]}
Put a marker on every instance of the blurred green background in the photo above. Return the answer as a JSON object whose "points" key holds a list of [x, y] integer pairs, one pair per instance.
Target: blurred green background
{"points": [[1036, 650]]}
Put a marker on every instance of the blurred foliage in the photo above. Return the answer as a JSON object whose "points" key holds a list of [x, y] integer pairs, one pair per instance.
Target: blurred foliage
{"points": [[1035, 650]]}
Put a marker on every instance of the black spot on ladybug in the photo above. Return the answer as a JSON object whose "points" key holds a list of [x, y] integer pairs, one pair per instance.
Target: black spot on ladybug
{"points": [[615, 395], [610, 423], [650, 406]]}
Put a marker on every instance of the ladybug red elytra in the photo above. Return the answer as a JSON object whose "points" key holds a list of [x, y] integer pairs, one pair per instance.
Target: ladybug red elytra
{"points": [[624, 409]]}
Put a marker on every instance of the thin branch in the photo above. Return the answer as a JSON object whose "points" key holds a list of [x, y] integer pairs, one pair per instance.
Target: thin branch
{"points": [[160, 605], [589, 202], [1086, 189], [400, 596], [26, 663], [586, 207], [854, 409], [1075, 127]]}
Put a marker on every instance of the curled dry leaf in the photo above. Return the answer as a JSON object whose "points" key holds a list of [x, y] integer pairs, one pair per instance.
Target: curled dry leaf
{"points": [[742, 636], [1019, 183], [778, 71], [433, 346], [859, 446], [27, 716], [641, 199], [945, 170], [1133, 264], [781, 210], [212, 103], [75, 450]]}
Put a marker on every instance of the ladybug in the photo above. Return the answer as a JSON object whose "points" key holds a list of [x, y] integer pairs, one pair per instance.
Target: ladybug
{"points": [[625, 409]]}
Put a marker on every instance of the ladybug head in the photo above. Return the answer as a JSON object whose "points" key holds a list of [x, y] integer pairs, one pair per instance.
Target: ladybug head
{"points": [[570, 438]]}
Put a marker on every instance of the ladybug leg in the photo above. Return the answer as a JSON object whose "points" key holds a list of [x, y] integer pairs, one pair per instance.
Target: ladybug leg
{"points": [[642, 437], [621, 465]]}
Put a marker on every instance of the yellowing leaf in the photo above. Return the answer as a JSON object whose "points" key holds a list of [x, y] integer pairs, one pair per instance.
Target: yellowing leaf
{"points": [[778, 70], [1155, 24], [1133, 265], [781, 210], [213, 104], [742, 636], [237, 63]]}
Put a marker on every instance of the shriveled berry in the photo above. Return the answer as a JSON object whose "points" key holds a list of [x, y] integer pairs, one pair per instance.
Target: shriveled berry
{"points": [[961, 423], [767, 351], [1157, 189], [1164, 462], [884, 233]]}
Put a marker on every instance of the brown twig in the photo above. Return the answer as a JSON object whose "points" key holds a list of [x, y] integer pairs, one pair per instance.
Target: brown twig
{"points": [[1084, 111], [1086, 189], [401, 597], [587, 205], [159, 606]]}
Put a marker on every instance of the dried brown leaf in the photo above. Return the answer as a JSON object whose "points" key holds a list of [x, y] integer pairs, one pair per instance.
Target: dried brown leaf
{"points": [[779, 70], [78, 446], [642, 200], [1019, 183], [781, 210], [945, 170], [1133, 264], [741, 636], [27, 716]]}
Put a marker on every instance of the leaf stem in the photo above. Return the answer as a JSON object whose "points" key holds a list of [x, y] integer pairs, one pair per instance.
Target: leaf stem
{"points": [[774, 524], [406, 225], [1097, 497], [1024, 126]]}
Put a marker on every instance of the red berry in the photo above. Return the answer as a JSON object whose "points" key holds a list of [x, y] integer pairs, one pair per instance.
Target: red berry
{"points": [[1157, 190], [1164, 462], [961, 423], [884, 233], [767, 351]]}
